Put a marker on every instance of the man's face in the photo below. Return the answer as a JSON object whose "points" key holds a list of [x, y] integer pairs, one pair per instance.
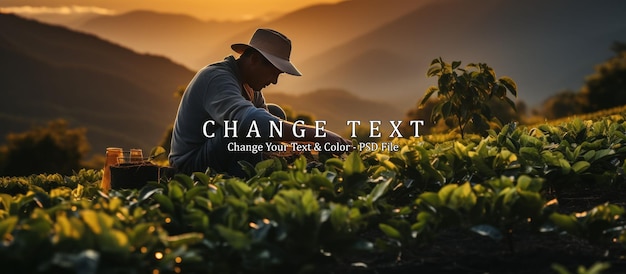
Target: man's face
{"points": [[264, 73]]}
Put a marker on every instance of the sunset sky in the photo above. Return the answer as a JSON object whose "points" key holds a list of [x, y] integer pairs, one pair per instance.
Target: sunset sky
{"points": [[202, 9]]}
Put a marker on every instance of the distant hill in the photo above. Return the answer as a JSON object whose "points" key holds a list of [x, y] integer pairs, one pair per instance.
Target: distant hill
{"points": [[48, 72], [316, 29], [336, 106], [183, 38], [544, 46], [195, 43], [381, 50], [123, 98]]}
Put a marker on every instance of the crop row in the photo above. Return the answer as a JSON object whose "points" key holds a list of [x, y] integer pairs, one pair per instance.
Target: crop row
{"points": [[295, 216]]}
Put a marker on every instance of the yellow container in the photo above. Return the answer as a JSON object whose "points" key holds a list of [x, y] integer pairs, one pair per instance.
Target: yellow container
{"points": [[112, 156], [136, 155]]}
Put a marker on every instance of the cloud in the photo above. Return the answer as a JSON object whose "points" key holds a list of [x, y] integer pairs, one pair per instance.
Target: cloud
{"points": [[64, 10]]}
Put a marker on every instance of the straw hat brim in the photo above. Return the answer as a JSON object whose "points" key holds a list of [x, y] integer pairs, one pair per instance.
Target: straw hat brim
{"points": [[283, 65]]}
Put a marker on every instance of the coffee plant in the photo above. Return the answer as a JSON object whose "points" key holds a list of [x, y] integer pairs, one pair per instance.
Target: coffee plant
{"points": [[464, 93]]}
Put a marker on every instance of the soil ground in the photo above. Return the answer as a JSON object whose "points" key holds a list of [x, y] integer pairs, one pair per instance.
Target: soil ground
{"points": [[462, 251]]}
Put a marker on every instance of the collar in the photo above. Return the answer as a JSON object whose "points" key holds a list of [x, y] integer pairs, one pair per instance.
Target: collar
{"points": [[246, 91]]}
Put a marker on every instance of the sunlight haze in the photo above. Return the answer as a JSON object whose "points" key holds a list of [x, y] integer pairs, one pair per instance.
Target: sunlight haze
{"points": [[221, 10]]}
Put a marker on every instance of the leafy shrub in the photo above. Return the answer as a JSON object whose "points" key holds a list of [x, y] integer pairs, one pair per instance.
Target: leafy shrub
{"points": [[464, 92], [292, 217], [52, 149]]}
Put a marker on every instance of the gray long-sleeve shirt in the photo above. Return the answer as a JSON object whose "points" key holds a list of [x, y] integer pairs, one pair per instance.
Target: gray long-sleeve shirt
{"points": [[215, 93]]}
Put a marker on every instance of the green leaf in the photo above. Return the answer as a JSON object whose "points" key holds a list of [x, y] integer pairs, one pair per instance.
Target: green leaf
{"points": [[300, 163], [566, 222], [98, 222], [509, 84], [322, 183], [456, 64], [353, 164], [175, 191], [90, 217], [431, 199], [598, 268], [262, 167], [114, 241], [165, 204], [389, 165], [433, 71], [339, 216], [248, 168], [5, 201], [194, 191], [185, 180], [525, 182], [529, 153], [333, 164], [203, 202], [446, 109], [580, 166], [309, 203], [240, 188], [588, 156], [141, 234], [511, 103], [481, 166], [115, 203], [603, 153], [529, 204], [158, 156], [201, 177], [186, 239], [429, 92], [379, 190], [237, 239], [6, 226], [68, 228], [216, 195], [460, 149], [565, 166], [147, 192], [560, 269], [463, 197], [390, 231], [446, 191]]}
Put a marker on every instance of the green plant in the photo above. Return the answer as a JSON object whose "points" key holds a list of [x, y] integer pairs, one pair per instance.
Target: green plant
{"points": [[596, 268], [464, 93], [291, 217], [55, 148]]}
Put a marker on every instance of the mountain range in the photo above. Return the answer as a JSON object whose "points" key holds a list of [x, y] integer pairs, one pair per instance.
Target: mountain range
{"points": [[380, 50], [123, 98], [362, 58], [48, 72], [545, 46]]}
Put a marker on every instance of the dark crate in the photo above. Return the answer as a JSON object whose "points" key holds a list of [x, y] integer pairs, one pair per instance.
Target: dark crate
{"points": [[136, 175]]}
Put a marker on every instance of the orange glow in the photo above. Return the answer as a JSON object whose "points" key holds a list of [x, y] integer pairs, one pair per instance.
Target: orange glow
{"points": [[221, 10]]}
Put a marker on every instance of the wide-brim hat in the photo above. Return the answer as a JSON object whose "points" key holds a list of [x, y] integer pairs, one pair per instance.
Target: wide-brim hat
{"points": [[274, 46]]}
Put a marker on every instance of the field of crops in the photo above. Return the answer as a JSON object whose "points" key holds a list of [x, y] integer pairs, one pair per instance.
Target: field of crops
{"points": [[473, 205]]}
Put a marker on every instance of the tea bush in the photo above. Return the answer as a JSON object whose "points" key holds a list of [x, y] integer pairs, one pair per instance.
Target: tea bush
{"points": [[297, 217]]}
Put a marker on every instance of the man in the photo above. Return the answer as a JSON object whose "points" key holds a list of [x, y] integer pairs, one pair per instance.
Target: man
{"points": [[223, 108]]}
